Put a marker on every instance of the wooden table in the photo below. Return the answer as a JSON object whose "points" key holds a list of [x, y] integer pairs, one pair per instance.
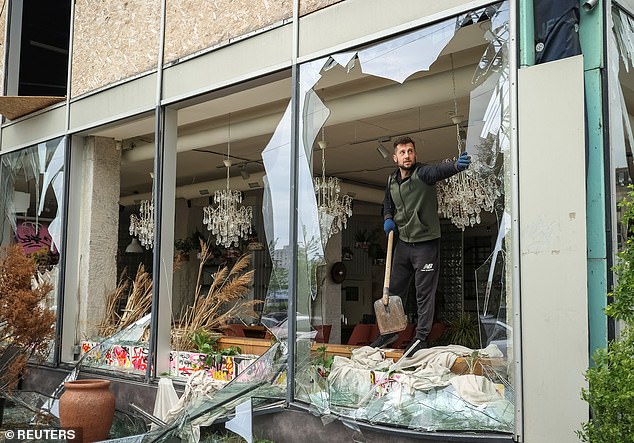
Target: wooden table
{"points": [[255, 331]]}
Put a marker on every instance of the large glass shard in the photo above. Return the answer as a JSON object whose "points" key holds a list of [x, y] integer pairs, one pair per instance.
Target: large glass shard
{"points": [[420, 49], [31, 197], [263, 381]]}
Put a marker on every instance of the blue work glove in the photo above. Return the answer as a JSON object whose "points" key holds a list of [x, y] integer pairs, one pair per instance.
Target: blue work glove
{"points": [[463, 161], [389, 225]]}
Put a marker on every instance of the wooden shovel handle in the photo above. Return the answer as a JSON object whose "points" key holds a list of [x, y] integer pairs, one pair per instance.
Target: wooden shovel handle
{"points": [[388, 269]]}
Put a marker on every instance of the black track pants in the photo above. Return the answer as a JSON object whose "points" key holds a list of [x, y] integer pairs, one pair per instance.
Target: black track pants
{"points": [[420, 260]]}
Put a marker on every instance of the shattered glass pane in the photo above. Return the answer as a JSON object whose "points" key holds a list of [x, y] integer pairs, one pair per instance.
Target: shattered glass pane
{"points": [[445, 387], [275, 211], [620, 49], [264, 382], [124, 351], [620, 60], [31, 197], [420, 48], [494, 318]]}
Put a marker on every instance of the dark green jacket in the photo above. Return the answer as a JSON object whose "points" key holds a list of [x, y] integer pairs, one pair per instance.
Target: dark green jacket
{"points": [[412, 202]]}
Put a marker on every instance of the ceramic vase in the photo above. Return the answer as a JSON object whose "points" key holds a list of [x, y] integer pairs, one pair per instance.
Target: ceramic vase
{"points": [[88, 406]]}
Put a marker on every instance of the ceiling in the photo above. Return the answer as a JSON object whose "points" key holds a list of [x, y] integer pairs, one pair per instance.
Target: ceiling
{"points": [[364, 109]]}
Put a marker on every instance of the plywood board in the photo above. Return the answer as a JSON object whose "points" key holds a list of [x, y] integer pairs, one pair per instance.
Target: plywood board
{"points": [[112, 41], [13, 107], [308, 6], [194, 25]]}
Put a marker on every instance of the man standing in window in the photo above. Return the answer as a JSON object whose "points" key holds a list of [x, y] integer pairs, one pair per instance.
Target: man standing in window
{"points": [[410, 208]]}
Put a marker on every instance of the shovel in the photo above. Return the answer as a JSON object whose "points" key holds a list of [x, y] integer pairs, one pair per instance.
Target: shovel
{"points": [[390, 316]]}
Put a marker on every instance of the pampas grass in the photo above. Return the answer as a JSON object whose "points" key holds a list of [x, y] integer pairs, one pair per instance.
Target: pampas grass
{"points": [[211, 310], [138, 302]]}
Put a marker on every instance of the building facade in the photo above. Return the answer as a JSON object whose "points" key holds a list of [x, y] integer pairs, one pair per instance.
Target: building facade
{"points": [[127, 123]]}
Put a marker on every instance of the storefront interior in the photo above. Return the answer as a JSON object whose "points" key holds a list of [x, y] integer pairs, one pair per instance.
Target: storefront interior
{"points": [[446, 86]]}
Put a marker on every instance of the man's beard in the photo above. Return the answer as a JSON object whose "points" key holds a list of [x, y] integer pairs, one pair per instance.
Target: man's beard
{"points": [[407, 168]]}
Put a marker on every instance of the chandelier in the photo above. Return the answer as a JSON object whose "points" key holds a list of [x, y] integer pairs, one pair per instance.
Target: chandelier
{"points": [[463, 196], [334, 209], [142, 226], [228, 221]]}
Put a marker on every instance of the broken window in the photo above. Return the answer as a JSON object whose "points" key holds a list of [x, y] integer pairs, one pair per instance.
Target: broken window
{"points": [[32, 185], [620, 47], [447, 87], [620, 78]]}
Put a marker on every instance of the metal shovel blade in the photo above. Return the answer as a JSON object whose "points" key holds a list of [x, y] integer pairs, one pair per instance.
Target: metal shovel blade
{"points": [[391, 317]]}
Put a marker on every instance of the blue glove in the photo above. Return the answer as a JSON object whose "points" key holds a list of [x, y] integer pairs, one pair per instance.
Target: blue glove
{"points": [[389, 225], [463, 161]]}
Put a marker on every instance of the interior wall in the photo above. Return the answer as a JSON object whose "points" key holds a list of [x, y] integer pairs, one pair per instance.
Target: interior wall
{"points": [[112, 41], [554, 300]]}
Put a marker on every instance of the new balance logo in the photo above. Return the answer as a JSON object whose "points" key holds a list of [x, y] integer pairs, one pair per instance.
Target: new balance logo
{"points": [[428, 267]]}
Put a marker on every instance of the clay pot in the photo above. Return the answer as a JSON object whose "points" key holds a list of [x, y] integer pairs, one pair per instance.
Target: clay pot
{"points": [[88, 406]]}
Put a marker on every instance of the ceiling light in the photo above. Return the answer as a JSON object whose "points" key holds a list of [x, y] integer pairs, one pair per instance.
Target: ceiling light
{"points": [[333, 209], [134, 247], [142, 225], [228, 220], [244, 173], [383, 150]]}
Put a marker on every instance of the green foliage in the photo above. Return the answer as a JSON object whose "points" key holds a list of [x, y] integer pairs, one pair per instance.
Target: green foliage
{"points": [[463, 330], [323, 361], [622, 308], [472, 360], [208, 344], [610, 392]]}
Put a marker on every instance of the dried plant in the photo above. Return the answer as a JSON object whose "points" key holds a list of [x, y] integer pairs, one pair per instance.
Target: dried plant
{"points": [[138, 298], [111, 318], [26, 324], [211, 310]]}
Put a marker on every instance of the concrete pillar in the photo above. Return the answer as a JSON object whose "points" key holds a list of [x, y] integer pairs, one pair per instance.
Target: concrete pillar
{"points": [[99, 227]]}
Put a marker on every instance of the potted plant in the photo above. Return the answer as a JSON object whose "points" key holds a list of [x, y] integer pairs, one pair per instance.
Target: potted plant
{"points": [[362, 238], [182, 248], [208, 346], [463, 330], [610, 381]]}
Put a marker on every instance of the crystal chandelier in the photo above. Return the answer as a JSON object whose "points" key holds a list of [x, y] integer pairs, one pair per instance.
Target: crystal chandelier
{"points": [[463, 196], [228, 221], [142, 226], [333, 208]]}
